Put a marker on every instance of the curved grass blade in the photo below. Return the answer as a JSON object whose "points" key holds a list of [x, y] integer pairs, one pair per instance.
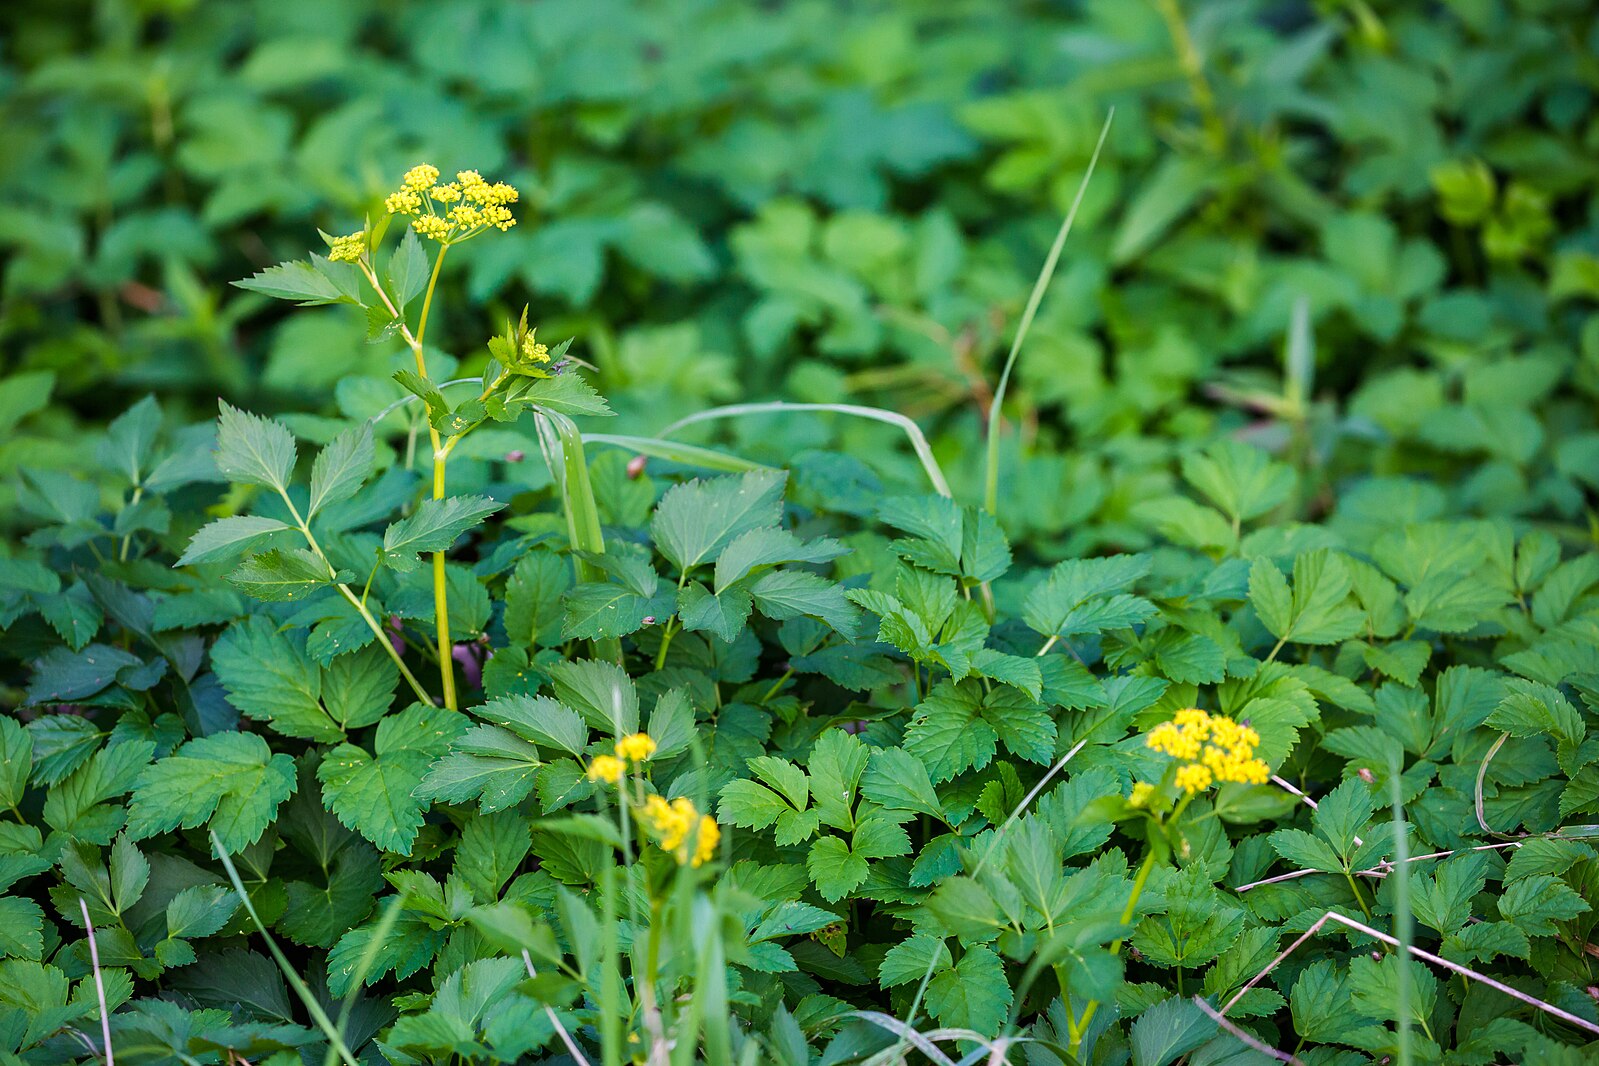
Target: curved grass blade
{"points": [[991, 475], [385, 926], [912, 431], [673, 452], [562, 446], [312, 1007]]}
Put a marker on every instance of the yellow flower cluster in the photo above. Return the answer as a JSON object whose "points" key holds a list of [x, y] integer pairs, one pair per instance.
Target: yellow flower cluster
{"points": [[1212, 749], [607, 768], [1143, 792], [348, 249], [465, 207], [635, 748], [533, 351], [678, 825]]}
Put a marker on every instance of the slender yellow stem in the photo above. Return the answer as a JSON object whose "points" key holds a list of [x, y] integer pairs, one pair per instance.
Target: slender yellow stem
{"points": [[358, 602], [441, 605], [1115, 948]]}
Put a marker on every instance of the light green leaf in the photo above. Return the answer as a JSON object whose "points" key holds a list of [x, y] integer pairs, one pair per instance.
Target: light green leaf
{"points": [[897, 780], [227, 537], [433, 527], [252, 450], [974, 995], [231, 781], [374, 794], [834, 868], [296, 280], [1239, 478], [281, 575], [1318, 609], [408, 269], [599, 691], [341, 468], [784, 594], [696, 520]]}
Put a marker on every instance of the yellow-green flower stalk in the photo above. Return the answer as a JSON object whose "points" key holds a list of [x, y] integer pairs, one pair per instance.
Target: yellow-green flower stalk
{"points": [[449, 214]]}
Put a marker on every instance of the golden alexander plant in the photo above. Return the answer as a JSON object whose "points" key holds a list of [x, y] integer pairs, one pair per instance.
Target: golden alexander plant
{"points": [[448, 214]]}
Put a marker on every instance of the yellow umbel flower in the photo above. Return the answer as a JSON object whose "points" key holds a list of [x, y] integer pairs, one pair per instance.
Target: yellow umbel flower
{"points": [[466, 207], [420, 177], [706, 840], [349, 248], [1143, 792], [1212, 749], [532, 350], [635, 748], [1193, 778], [403, 202], [607, 768], [674, 824]]}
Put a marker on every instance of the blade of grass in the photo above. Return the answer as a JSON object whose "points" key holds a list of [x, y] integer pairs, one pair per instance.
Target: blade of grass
{"points": [[995, 419], [99, 983], [312, 1007], [1404, 922], [562, 446], [993, 843], [673, 452], [913, 432], [380, 934]]}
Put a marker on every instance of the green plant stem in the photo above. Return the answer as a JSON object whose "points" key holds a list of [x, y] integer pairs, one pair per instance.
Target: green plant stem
{"points": [[358, 602], [777, 685], [995, 414], [441, 604], [1116, 947], [1360, 899], [1194, 70], [127, 539], [1404, 924], [667, 633]]}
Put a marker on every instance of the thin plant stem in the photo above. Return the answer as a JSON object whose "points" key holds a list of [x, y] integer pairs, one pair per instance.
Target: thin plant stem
{"points": [[1115, 949], [127, 540], [1404, 922], [358, 602], [1194, 70], [995, 417], [441, 607], [1425, 956], [99, 983]]}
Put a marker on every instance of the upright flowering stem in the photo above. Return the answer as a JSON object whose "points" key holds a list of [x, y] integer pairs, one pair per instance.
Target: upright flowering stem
{"points": [[441, 605], [467, 207]]}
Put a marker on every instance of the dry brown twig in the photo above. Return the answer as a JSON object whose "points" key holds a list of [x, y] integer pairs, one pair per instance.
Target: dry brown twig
{"points": [[1243, 1036], [1426, 956]]}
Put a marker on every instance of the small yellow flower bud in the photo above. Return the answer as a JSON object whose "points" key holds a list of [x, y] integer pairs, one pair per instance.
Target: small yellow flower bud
{"points": [[349, 248], [421, 177], [635, 748], [607, 768]]}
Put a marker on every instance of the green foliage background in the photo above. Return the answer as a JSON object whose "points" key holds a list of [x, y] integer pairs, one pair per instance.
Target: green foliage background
{"points": [[1362, 239], [827, 201]]}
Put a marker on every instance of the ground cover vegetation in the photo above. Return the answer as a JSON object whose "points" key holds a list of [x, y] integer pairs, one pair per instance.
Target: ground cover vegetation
{"points": [[728, 610]]}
